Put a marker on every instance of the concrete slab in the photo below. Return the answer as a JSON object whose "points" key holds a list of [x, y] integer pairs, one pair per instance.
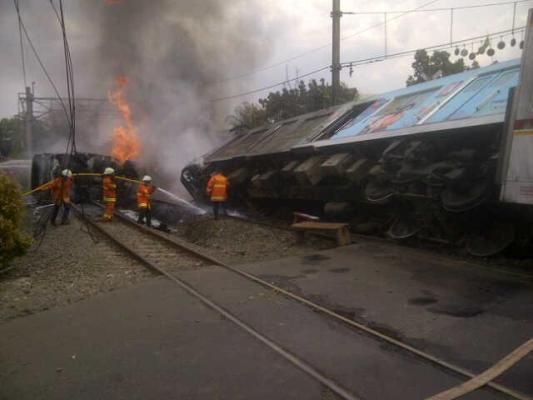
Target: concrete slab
{"points": [[471, 316], [367, 367], [150, 341], [154, 341]]}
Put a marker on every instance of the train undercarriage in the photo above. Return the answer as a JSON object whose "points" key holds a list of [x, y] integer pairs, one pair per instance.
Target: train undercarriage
{"points": [[441, 189]]}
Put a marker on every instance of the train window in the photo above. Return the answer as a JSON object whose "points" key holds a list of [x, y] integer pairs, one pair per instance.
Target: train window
{"points": [[490, 99], [384, 114], [485, 95], [359, 116], [291, 135]]}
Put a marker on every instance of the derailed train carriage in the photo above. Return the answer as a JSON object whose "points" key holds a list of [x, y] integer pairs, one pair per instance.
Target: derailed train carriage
{"points": [[449, 159]]}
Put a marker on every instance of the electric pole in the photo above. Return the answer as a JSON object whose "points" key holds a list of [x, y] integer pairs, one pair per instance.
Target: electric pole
{"points": [[336, 67], [28, 121]]}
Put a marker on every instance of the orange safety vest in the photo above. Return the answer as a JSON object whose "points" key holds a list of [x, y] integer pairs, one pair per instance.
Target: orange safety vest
{"points": [[217, 187], [60, 189], [143, 195], [109, 189]]}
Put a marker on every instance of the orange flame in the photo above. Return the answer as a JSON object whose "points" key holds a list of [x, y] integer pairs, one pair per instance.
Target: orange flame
{"points": [[126, 144]]}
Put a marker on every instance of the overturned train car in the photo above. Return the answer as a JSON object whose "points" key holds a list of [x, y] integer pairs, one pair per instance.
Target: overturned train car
{"points": [[449, 160]]}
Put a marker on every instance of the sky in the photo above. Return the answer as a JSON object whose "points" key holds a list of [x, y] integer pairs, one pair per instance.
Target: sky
{"points": [[303, 25], [228, 39], [285, 29]]}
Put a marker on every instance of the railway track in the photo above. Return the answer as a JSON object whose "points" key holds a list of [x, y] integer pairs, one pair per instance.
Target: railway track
{"points": [[167, 255]]}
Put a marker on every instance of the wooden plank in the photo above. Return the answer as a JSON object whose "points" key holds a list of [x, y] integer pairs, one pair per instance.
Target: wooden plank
{"points": [[319, 225], [487, 376], [343, 236], [300, 217]]}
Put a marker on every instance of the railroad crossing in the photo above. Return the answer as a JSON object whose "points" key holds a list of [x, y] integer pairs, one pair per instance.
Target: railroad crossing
{"points": [[306, 326]]}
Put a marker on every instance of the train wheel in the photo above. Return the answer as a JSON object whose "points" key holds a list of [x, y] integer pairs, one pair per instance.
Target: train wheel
{"points": [[378, 191], [491, 240], [404, 227], [455, 200]]}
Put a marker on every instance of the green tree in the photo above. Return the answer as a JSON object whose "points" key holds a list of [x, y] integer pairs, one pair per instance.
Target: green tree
{"points": [[427, 67], [247, 115], [11, 136], [289, 102], [13, 242], [44, 132]]}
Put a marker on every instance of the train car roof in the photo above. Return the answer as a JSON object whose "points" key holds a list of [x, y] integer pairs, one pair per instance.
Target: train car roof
{"points": [[475, 97], [280, 136], [472, 98]]}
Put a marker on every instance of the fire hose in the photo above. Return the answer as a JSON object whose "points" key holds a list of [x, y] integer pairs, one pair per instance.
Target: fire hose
{"points": [[123, 178]]}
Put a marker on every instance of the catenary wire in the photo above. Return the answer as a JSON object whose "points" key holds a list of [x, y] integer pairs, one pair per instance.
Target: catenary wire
{"points": [[271, 86], [434, 47], [282, 62], [21, 44], [36, 54], [437, 9], [369, 60], [402, 13]]}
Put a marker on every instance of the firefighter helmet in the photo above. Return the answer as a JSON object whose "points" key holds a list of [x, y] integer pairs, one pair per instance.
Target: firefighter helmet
{"points": [[109, 171], [67, 173], [147, 178]]}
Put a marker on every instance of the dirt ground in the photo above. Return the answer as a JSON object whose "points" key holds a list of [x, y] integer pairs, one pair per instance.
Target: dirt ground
{"points": [[237, 242]]}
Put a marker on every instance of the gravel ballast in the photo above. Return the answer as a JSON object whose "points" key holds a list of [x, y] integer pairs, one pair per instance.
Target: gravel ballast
{"points": [[237, 242], [67, 267], [70, 266]]}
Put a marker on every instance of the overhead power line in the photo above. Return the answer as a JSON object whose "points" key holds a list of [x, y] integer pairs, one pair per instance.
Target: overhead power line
{"points": [[436, 9], [36, 54], [311, 51], [421, 8], [21, 44], [375, 59], [273, 85], [441, 46], [71, 142]]}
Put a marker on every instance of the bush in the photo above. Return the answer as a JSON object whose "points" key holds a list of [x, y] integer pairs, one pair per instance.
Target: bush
{"points": [[13, 242]]}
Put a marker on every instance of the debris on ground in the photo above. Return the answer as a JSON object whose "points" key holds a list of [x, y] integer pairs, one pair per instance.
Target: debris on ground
{"points": [[236, 242]]}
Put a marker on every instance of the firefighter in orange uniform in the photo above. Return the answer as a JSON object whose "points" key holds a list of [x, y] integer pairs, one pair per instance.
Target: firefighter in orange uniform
{"points": [[217, 190], [60, 188], [109, 193], [145, 191]]}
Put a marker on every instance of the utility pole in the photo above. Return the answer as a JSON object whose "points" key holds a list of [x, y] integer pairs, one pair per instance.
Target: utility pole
{"points": [[28, 122], [336, 67]]}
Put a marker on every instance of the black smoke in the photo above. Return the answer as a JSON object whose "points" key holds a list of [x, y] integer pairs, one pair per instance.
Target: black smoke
{"points": [[172, 53]]}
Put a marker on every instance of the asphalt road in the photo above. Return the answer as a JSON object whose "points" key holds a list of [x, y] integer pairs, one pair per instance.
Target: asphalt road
{"points": [[466, 314], [153, 341]]}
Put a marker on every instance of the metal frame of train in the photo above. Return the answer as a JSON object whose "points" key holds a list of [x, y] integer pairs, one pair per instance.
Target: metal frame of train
{"points": [[449, 159]]}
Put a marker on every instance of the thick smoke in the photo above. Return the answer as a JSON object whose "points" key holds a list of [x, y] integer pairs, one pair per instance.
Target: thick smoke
{"points": [[172, 52]]}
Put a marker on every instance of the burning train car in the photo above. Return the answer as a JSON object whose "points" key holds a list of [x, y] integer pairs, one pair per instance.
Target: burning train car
{"points": [[125, 148], [47, 166], [448, 159]]}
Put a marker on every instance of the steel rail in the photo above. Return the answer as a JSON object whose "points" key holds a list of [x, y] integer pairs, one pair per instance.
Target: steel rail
{"points": [[293, 359], [372, 332]]}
